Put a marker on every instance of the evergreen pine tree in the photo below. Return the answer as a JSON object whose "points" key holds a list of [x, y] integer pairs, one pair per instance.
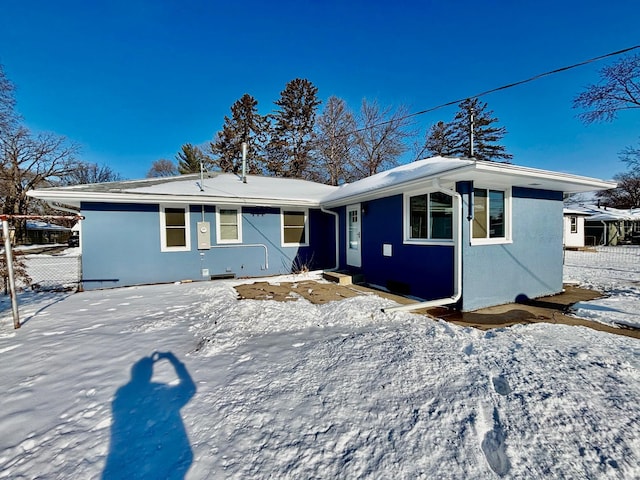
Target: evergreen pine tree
{"points": [[189, 158], [485, 135], [288, 151], [244, 125]]}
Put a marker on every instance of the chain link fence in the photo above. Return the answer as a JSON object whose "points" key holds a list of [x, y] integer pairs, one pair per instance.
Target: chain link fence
{"points": [[602, 256], [53, 268], [53, 271], [602, 263]]}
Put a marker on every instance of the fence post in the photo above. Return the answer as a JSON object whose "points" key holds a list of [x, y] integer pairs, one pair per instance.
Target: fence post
{"points": [[12, 280], [80, 285]]}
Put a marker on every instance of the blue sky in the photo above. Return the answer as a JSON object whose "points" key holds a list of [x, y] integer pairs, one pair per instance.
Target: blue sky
{"points": [[131, 81]]}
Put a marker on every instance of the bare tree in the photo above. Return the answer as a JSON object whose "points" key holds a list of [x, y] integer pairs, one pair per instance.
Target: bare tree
{"points": [[8, 117], [333, 143], [626, 194], [29, 162], [631, 156], [380, 139], [86, 172], [438, 141], [162, 168], [618, 89]]}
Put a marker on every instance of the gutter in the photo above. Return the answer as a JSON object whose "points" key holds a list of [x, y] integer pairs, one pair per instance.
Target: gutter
{"points": [[337, 241], [74, 199], [457, 261]]}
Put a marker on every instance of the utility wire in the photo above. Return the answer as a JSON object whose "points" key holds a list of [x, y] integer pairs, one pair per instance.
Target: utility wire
{"points": [[504, 87]]}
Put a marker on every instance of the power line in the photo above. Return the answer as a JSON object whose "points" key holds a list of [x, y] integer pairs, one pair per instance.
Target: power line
{"points": [[503, 87]]}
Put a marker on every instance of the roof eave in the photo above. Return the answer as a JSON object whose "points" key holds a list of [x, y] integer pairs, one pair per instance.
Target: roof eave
{"points": [[393, 189], [75, 199]]}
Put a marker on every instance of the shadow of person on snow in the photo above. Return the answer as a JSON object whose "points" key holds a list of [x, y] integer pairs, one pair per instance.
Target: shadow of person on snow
{"points": [[148, 438]]}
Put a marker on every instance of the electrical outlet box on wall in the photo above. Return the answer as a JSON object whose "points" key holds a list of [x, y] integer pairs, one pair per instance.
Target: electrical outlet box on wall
{"points": [[204, 235]]}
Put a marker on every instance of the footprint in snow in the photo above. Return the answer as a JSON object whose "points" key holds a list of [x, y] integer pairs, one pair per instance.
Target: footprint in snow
{"points": [[501, 385], [494, 449]]}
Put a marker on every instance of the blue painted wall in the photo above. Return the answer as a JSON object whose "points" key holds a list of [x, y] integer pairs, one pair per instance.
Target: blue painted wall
{"points": [[531, 265], [121, 246], [425, 271]]}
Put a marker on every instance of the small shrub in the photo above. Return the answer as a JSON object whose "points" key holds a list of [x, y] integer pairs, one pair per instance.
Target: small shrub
{"points": [[19, 270]]}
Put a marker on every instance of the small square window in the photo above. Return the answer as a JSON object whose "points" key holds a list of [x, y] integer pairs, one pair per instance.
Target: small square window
{"points": [[430, 217], [174, 229], [490, 215], [228, 225], [295, 230]]}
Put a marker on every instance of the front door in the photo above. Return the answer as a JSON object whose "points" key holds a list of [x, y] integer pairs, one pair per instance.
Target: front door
{"points": [[354, 242]]}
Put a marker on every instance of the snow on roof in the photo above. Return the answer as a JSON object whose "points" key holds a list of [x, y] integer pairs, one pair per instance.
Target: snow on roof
{"points": [[403, 174], [231, 186], [40, 225], [227, 188], [451, 170], [607, 214], [571, 211], [215, 187]]}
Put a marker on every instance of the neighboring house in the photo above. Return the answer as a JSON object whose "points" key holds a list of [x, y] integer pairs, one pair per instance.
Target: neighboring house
{"points": [[610, 226], [574, 228], [40, 232], [447, 230]]}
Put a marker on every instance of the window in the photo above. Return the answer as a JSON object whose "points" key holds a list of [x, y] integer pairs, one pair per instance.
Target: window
{"points": [[294, 228], [228, 225], [490, 215], [430, 217], [354, 230], [174, 229], [574, 224]]}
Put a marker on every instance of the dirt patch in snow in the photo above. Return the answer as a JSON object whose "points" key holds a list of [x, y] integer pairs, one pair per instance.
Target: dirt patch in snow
{"points": [[313, 291], [552, 309]]}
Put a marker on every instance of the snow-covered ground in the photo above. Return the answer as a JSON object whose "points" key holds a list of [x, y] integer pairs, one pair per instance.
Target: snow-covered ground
{"points": [[261, 389], [614, 271]]}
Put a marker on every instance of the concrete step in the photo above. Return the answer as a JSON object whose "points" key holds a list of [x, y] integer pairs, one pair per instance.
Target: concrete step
{"points": [[343, 278]]}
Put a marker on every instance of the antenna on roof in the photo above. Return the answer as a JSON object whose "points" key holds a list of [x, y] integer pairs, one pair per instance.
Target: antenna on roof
{"points": [[471, 126], [244, 162]]}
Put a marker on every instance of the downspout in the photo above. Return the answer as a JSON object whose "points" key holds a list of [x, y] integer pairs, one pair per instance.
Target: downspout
{"points": [[457, 261], [76, 213], [64, 209], [337, 241]]}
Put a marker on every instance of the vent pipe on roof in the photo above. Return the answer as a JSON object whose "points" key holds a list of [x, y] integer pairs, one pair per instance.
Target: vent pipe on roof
{"points": [[244, 162], [201, 177]]}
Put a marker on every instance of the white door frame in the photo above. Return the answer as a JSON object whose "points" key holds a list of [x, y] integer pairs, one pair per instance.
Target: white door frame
{"points": [[354, 235]]}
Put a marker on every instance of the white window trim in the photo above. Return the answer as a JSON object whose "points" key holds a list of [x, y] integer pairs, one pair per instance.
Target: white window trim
{"points": [[163, 229], [238, 210], [406, 221], [507, 218], [306, 227], [573, 224]]}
